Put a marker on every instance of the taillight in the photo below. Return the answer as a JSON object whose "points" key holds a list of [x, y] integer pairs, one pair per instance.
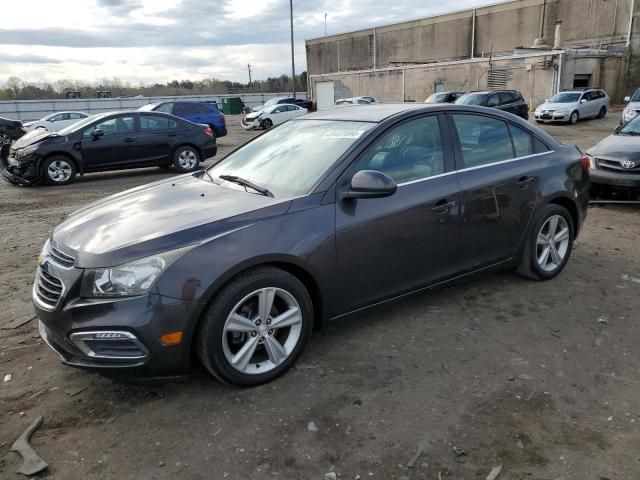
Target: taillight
{"points": [[586, 163], [208, 131]]}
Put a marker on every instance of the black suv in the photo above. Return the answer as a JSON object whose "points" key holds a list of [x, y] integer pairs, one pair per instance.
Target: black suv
{"points": [[510, 101]]}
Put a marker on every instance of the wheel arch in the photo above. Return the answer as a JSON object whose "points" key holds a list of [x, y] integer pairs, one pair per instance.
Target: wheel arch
{"points": [[571, 207]]}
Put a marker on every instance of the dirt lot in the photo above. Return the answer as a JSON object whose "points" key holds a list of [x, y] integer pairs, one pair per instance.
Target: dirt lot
{"points": [[540, 378]]}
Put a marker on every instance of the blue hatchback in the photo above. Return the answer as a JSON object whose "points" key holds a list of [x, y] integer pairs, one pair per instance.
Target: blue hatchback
{"points": [[196, 112]]}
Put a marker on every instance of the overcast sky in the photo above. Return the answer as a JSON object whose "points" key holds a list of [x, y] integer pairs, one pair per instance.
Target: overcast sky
{"points": [[160, 40]]}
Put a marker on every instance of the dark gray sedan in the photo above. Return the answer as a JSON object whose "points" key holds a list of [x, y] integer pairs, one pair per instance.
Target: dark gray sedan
{"points": [[318, 218], [615, 161]]}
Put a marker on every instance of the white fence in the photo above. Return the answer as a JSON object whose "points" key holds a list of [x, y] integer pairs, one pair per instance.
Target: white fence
{"points": [[26, 110]]}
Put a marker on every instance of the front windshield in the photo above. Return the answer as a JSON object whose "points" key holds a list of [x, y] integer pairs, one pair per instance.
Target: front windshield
{"points": [[79, 124], [636, 96], [292, 157], [565, 98], [471, 99], [631, 128], [437, 98]]}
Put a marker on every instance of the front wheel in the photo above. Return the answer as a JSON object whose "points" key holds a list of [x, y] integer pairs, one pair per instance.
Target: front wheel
{"points": [[186, 159], [549, 245], [573, 119], [58, 170], [267, 124], [256, 327]]}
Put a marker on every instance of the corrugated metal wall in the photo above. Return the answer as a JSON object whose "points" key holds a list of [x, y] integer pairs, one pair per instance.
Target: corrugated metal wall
{"points": [[35, 109]]}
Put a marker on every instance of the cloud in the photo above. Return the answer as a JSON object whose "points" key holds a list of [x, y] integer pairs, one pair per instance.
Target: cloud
{"points": [[190, 36]]}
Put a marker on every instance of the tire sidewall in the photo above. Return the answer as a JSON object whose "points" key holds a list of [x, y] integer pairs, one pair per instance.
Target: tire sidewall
{"points": [[45, 170], [575, 117], [267, 124], [534, 267], [176, 161], [602, 113], [212, 333]]}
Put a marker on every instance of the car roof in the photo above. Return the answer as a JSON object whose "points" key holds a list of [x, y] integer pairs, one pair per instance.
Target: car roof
{"points": [[365, 113]]}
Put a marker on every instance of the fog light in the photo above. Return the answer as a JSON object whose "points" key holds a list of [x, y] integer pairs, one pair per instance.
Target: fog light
{"points": [[117, 345], [173, 338]]}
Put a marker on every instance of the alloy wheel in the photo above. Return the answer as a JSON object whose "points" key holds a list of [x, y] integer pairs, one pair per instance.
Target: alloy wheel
{"points": [[262, 330], [59, 171], [187, 159], [552, 243]]}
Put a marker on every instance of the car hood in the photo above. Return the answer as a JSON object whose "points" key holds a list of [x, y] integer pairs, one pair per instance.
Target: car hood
{"points": [[622, 147], [556, 106], [633, 105], [158, 217], [33, 137]]}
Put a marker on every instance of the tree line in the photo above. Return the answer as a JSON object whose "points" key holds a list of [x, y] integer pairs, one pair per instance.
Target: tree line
{"points": [[18, 89]]}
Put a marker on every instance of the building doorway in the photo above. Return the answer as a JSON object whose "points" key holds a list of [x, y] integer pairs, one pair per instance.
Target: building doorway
{"points": [[582, 81]]}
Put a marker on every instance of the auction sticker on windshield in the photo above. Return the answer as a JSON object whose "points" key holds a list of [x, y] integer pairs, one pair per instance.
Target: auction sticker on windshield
{"points": [[343, 133]]}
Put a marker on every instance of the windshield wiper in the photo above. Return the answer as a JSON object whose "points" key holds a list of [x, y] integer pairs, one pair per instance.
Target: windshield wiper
{"points": [[206, 172], [246, 183]]}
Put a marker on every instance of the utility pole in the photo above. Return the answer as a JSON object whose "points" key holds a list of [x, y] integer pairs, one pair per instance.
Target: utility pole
{"points": [[249, 68], [293, 64], [325, 24]]}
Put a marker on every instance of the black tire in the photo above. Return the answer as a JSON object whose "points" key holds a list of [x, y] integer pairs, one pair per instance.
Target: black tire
{"points": [[602, 113], [529, 265], [539, 121], [58, 170], [574, 118], [266, 124], [210, 332], [186, 159]]}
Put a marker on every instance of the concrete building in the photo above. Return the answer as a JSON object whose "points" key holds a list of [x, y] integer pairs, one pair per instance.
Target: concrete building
{"points": [[535, 46]]}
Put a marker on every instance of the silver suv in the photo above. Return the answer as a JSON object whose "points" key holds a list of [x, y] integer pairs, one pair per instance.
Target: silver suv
{"points": [[632, 109], [573, 105]]}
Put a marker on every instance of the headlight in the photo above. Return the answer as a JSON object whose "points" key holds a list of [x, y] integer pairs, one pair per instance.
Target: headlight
{"points": [[128, 279], [44, 252], [592, 161], [25, 151], [629, 113]]}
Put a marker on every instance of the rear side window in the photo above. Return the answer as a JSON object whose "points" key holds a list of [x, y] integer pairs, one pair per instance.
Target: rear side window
{"points": [[165, 108], [493, 100], [483, 140], [506, 97], [156, 122], [185, 109], [539, 146], [521, 141], [410, 151]]}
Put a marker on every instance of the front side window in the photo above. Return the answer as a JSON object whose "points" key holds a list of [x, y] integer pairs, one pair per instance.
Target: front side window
{"points": [[112, 126], [483, 140], [291, 158], [506, 98], [76, 116], [165, 108], [493, 101], [59, 117], [280, 109], [472, 99], [410, 151]]}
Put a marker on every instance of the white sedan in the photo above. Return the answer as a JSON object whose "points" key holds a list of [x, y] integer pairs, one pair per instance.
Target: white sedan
{"points": [[271, 116], [55, 121]]}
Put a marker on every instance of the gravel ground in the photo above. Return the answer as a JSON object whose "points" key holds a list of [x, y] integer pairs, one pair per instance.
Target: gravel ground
{"points": [[540, 378]]}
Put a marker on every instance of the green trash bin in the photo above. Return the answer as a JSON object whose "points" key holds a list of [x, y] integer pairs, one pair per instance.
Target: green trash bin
{"points": [[232, 105]]}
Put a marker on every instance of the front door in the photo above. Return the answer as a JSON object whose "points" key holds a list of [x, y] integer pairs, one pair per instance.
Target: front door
{"points": [[116, 148], [498, 178], [387, 246]]}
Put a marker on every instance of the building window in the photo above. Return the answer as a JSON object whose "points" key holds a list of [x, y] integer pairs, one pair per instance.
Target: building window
{"points": [[438, 87]]}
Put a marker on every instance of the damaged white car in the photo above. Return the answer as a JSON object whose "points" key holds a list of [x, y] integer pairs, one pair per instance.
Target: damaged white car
{"points": [[271, 116]]}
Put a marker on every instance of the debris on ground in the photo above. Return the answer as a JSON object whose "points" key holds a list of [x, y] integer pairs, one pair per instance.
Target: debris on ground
{"points": [[312, 427], [493, 474], [72, 392], [330, 476], [32, 462], [461, 455], [7, 377], [629, 278], [412, 462], [603, 319]]}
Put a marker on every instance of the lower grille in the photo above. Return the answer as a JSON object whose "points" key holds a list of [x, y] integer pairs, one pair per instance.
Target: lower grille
{"points": [[48, 288]]}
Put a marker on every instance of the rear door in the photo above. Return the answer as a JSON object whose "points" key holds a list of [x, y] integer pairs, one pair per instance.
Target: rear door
{"points": [[117, 148], [188, 111], [390, 245], [499, 177], [155, 139]]}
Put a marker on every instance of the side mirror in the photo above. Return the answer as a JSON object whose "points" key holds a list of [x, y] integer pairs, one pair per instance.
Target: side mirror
{"points": [[627, 99], [97, 133], [584, 100], [370, 184], [51, 120], [546, 100]]}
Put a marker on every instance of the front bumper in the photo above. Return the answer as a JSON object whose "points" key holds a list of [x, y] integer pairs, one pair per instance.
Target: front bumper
{"points": [[615, 180], [144, 319], [552, 117], [250, 124], [23, 172]]}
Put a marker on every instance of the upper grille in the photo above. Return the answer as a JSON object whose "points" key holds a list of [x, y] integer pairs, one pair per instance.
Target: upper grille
{"points": [[48, 288], [61, 258], [616, 166]]}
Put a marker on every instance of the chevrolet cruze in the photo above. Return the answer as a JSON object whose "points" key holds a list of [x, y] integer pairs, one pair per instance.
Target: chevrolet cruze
{"points": [[318, 218]]}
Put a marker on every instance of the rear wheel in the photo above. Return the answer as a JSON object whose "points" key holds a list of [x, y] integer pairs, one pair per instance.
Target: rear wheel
{"points": [[573, 119], [256, 327], [602, 113], [58, 170], [186, 159], [549, 244]]}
